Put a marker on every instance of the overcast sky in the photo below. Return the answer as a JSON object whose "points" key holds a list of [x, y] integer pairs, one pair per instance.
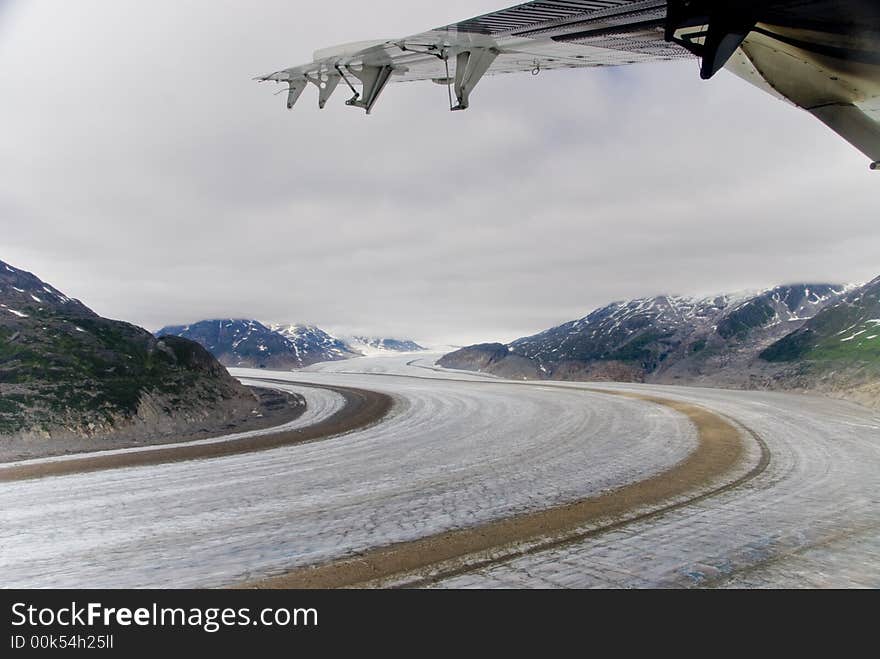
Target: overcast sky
{"points": [[144, 172]]}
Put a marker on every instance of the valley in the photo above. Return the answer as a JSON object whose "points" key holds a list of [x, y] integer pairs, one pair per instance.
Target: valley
{"points": [[458, 451]]}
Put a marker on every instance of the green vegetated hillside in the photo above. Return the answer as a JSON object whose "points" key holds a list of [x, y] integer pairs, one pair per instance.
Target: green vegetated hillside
{"points": [[815, 336], [660, 338], [848, 330], [66, 370], [837, 351]]}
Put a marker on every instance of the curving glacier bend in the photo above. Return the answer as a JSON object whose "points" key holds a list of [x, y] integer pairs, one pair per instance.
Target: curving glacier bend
{"points": [[459, 449]]}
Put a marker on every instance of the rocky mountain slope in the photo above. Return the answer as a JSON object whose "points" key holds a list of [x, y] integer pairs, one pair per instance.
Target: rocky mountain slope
{"points": [[376, 344], [847, 329], [237, 342], [250, 344], [837, 350], [67, 372], [312, 344], [663, 338], [819, 337]]}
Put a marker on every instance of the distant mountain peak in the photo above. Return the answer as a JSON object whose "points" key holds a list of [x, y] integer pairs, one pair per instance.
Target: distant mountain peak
{"points": [[312, 344], [237, 341], [249, 343], [379, 344]]}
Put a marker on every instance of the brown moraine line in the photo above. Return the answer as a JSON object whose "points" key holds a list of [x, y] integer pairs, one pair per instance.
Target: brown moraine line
{"points": [[721, 447], [362, 408]]}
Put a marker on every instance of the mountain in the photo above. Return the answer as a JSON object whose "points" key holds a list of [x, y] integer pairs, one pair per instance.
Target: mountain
{"points": [[249, 343], [496, 358], [659, 339], [312, 344], [237, 342], [67, 372], [623, 340], [849, 329], [375, 344], [836, 351]]}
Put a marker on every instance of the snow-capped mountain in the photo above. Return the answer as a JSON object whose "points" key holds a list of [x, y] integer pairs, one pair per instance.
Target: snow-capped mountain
{"points": [[312, 344], [660, 338], [239, 342], [375, 345], [848, 328], [837, 351], [250, 343]]}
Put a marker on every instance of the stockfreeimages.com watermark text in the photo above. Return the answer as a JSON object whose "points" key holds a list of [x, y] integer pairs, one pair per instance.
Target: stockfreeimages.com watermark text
{"points": [[208, 619]]}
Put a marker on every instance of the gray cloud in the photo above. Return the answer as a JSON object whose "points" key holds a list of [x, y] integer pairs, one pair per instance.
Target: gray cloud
{"points": [[143, 171]]}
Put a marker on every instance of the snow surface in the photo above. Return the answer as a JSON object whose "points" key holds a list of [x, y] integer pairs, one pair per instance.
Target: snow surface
{"points": [[14, 312], [459, 449], [451, 454], [810, 519]]}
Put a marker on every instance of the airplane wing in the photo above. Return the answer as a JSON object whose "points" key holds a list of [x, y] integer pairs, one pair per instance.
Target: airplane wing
{"points": [[532, 37], [822, 55]]}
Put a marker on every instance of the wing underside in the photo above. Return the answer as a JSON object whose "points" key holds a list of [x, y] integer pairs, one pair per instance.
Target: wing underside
{"points": [[822, 55], [535, 36]]}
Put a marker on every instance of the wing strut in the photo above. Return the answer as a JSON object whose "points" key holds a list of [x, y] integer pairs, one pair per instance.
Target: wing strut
{"points": [[470, 66], [373, 78], [296, 88], [326, 84]]}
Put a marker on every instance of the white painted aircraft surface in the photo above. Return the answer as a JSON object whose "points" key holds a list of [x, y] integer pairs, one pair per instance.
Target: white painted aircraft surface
{"points": [[820, 55]]}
